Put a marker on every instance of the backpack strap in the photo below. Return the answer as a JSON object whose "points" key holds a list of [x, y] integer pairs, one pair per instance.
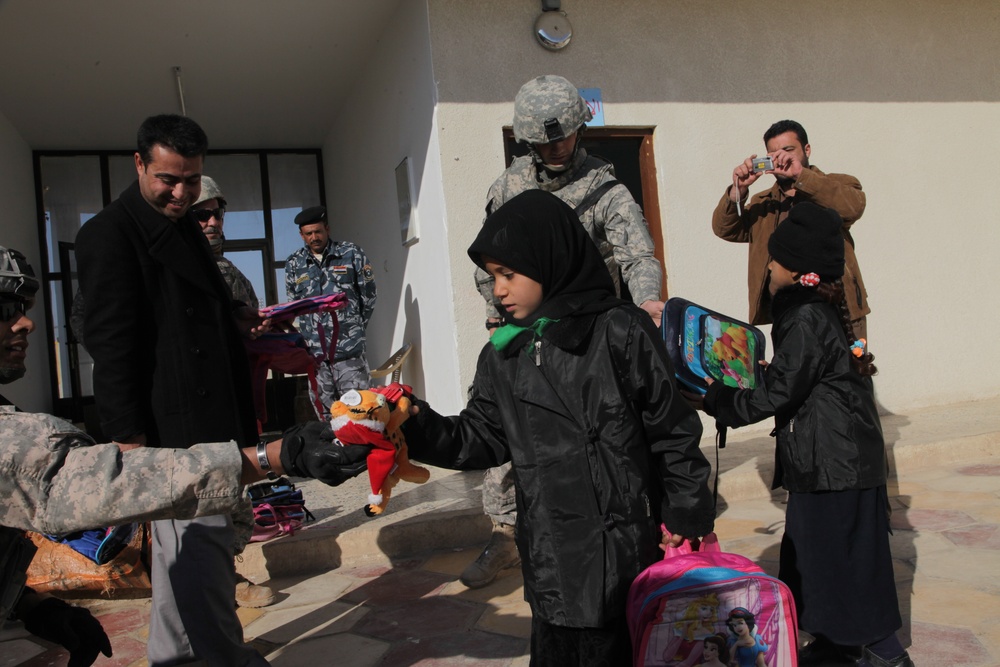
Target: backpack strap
{"points": [[594, 196]]}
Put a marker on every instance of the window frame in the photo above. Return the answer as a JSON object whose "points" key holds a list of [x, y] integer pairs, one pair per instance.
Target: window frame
{"points": [[73, 406]]}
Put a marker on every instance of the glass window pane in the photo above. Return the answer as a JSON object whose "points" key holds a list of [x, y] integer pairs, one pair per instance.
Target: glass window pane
{"points": [[294, 181], [121, 173], [238, 176], [71, 195], [279, 280], [251, 264]]}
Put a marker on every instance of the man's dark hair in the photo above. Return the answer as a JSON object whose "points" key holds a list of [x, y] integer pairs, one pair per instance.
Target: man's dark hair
{"points": [[178, 133], [783, 126]]}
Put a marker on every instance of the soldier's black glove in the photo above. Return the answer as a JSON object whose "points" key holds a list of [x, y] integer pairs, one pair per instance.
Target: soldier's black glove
{"points": [[309, 450], [72, 627]]}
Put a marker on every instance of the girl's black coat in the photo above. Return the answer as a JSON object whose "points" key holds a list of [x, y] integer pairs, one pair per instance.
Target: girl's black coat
{"points": [[829, 437], [603, 449]]}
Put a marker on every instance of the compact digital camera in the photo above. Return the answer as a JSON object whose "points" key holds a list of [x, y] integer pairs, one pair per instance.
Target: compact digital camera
{"points": [[763, 163]]}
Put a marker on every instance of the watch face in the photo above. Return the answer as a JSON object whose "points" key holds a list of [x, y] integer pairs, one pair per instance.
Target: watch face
{"points": [[553, 30]]}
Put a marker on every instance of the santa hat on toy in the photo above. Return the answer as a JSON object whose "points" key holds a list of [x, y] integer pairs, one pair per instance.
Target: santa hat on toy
{"points": [[381, 459]]}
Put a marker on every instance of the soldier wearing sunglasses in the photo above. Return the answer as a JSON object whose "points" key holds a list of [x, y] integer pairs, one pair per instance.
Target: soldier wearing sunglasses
{"points": [[17, 293], [210, 212]]}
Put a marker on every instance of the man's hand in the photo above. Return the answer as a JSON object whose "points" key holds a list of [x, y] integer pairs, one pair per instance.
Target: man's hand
{"points": [[743, 177], [251, 322], [786, 166], [131, 442], [308, 450], [655, 310], [74, 628]]}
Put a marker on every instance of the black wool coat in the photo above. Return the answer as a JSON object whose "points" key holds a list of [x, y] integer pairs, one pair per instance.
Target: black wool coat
{"points": [[168, 359], [829, 436], [603, 448]]}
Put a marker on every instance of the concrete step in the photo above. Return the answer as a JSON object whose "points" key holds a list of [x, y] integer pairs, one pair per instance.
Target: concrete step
{"points": [[446, 512]]}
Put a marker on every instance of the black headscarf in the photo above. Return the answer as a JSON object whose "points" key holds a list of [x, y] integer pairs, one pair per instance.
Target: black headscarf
{"points": [[537, 235]]}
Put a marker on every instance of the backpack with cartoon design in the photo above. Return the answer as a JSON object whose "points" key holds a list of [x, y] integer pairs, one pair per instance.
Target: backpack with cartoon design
{"points": [[710, 607]]}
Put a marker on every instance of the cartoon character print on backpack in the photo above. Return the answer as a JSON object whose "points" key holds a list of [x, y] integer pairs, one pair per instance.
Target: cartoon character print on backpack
{"points": [[700, 620], [368, 417], [748, 647], [710, 607]]}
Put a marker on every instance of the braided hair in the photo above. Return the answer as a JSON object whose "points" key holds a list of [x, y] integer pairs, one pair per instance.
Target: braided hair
{"points": [[833, 292]]}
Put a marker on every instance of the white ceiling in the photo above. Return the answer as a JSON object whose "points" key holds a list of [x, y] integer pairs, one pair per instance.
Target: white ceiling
{"points": [[255, 73]]}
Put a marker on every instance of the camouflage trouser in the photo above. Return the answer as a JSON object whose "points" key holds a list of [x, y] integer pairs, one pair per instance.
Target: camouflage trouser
{"points": [[333, 379], [498, 495]]}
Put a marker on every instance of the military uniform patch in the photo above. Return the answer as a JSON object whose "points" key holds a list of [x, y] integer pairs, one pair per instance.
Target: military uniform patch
{"points": [[366, 271]]}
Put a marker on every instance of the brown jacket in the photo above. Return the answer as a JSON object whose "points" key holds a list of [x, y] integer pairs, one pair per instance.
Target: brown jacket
{"points": [[840, 192]]}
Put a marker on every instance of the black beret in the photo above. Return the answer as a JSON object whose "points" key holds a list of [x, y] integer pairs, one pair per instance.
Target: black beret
{"points": [[311, 215], [810, 240]]}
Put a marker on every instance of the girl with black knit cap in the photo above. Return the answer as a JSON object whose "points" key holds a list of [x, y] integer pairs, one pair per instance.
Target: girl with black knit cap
{"points": [[577, 391], [830, 452]]}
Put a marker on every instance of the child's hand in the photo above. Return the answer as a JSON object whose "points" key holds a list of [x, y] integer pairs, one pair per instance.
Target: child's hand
{"points": [[694, 399], [675, 540]]}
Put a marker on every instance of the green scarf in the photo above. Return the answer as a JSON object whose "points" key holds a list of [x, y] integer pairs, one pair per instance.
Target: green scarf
{"points": [[503, 336]]}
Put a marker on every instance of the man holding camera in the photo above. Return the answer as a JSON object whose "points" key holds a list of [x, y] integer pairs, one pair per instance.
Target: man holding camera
{"points": [[796, 181]]}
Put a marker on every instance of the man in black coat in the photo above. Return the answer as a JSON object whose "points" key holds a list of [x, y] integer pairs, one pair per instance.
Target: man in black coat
{"points": [[170, 371]]}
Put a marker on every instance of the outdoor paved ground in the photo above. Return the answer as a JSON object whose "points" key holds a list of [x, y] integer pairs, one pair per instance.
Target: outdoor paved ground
{"points": [[408, 609]]}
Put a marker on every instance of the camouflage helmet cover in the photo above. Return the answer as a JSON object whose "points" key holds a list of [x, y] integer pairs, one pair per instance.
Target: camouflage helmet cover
{"points": [[210, 190], [548, 108], [16, 276]]}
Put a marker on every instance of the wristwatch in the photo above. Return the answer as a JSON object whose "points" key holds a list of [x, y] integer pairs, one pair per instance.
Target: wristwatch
{"points": [[263, 461], [492, 324]]}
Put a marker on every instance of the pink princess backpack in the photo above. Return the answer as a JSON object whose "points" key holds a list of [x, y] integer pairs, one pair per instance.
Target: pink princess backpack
{"points": [[694, 606]]}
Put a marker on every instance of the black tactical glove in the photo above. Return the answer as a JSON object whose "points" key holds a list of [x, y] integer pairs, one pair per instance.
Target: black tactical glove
{"points": [[72, 627], [309, 450]]}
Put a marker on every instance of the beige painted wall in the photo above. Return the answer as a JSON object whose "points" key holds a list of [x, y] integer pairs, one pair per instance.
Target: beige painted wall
{"points": [[17, 191], [390, 115], [905, 96]]}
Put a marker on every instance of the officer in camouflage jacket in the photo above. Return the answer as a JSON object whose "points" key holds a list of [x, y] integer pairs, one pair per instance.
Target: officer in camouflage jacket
{"points": [[322, 267], [210, 210]]}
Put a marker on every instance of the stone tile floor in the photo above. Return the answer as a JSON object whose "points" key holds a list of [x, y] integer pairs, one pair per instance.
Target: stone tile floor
{"points": [[412, 611]]}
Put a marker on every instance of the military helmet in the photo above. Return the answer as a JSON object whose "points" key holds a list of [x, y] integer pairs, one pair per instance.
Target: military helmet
{"points": [[16, 276], [548, 108], [210, 190]]}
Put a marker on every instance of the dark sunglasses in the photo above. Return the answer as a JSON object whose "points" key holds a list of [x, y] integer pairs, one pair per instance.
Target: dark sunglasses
{"points": [[206, 214], [10, 308]]}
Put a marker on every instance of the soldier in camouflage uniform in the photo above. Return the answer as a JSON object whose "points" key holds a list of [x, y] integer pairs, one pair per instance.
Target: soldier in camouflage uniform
{"points": [[550, 116], [55, 480], [210, 210], [322, 267]]}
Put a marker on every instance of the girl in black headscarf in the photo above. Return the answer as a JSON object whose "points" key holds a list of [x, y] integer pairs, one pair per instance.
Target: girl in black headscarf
{"points": [[576, 390]]}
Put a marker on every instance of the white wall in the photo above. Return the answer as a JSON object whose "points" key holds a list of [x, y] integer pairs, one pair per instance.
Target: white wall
{"points": [[902, 94], [20, 231], [391, 115]]}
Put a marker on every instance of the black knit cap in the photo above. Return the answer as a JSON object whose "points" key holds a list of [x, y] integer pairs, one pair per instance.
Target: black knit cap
{"points": [[810, 240], [311, 215]]}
